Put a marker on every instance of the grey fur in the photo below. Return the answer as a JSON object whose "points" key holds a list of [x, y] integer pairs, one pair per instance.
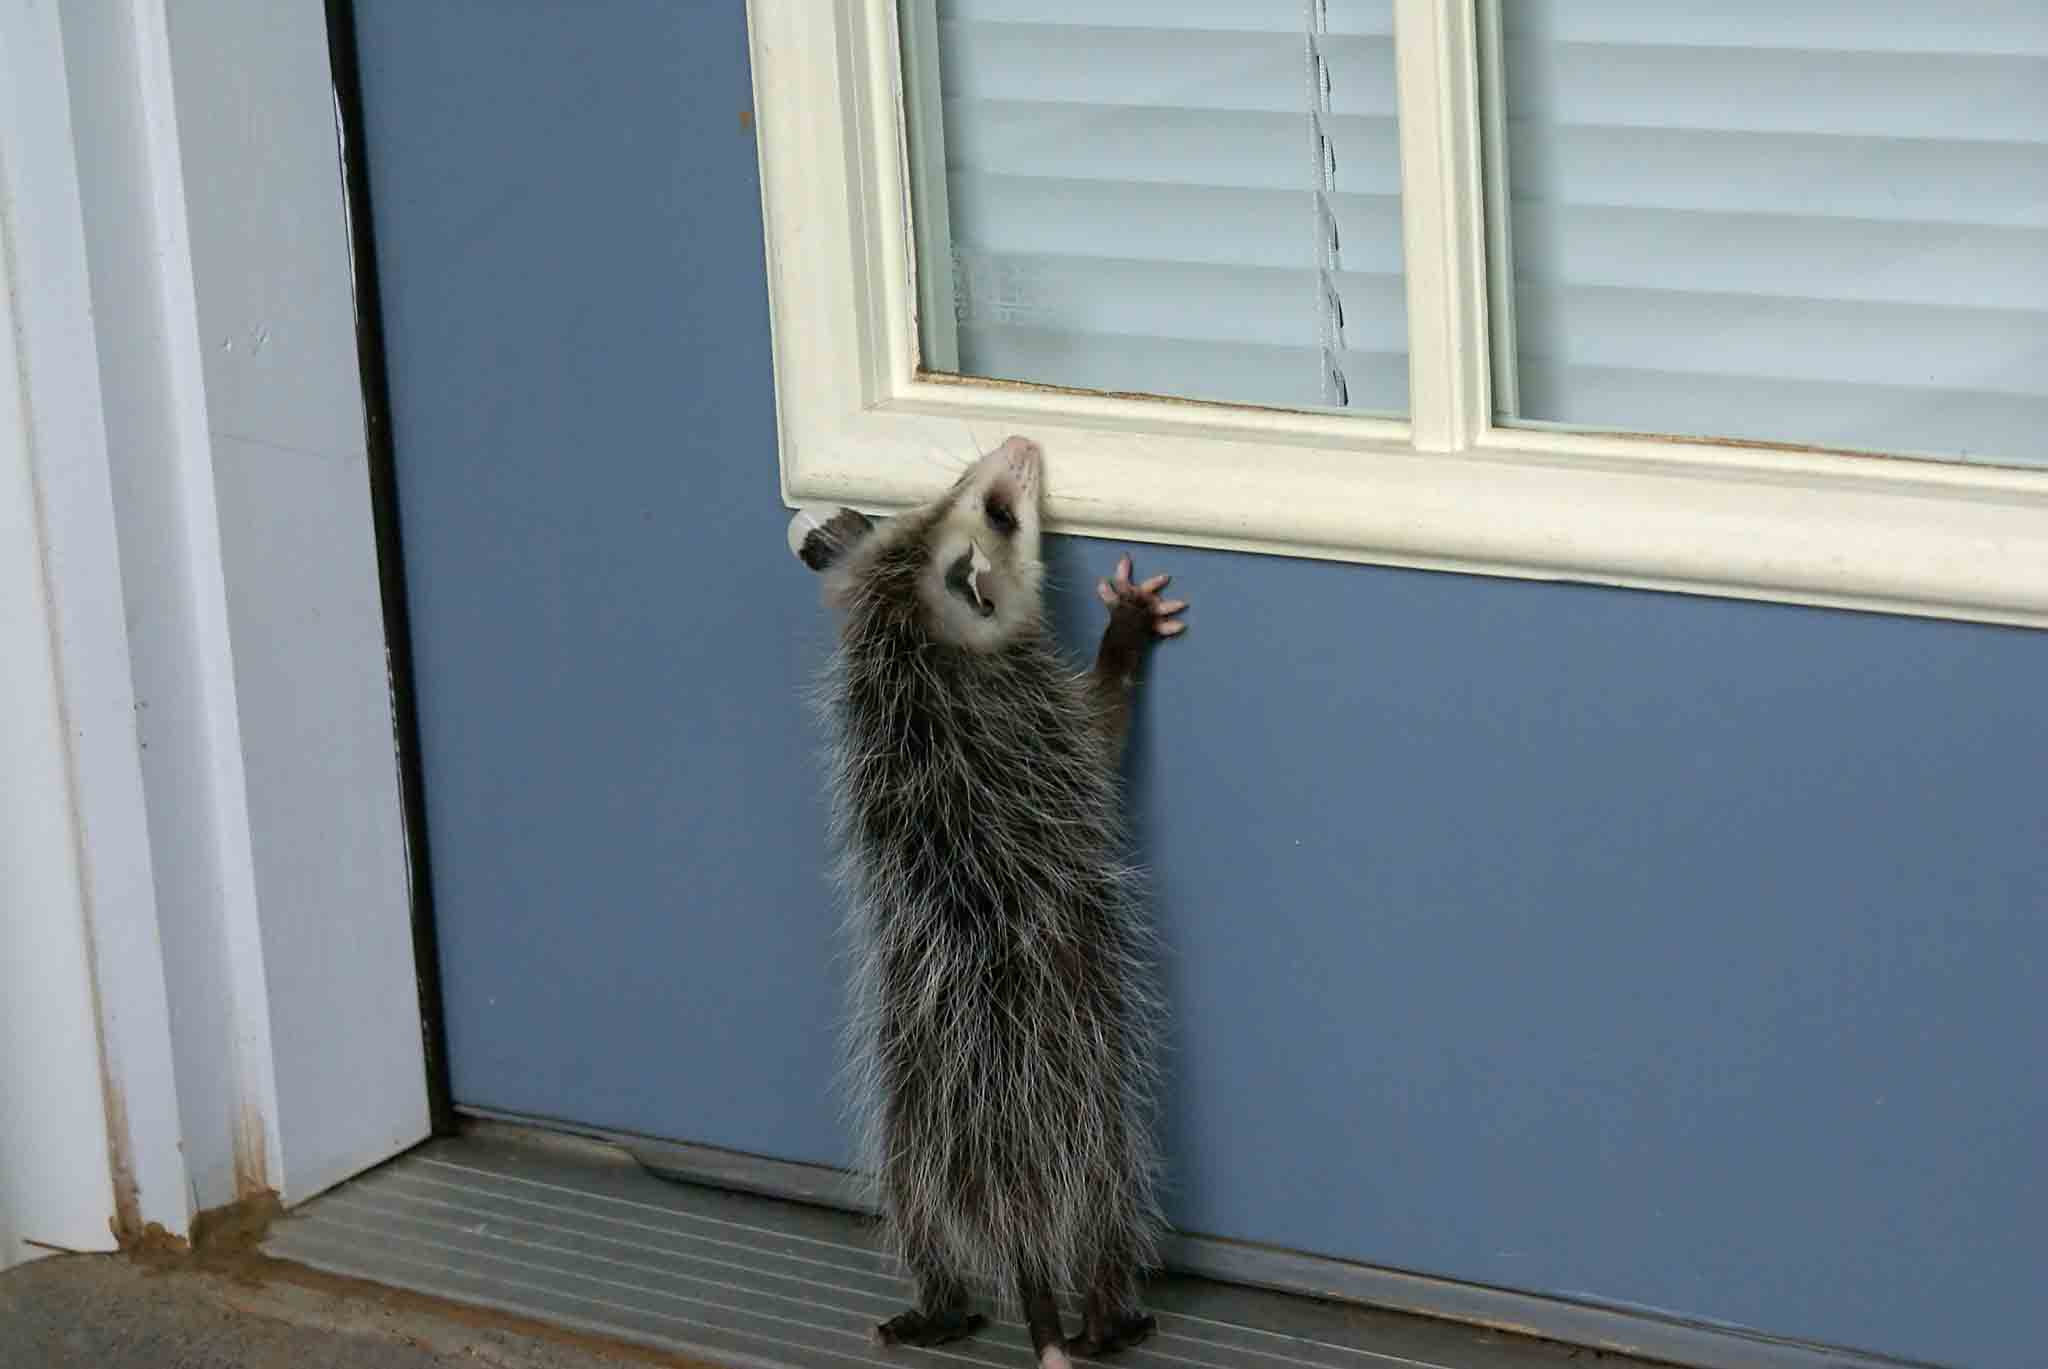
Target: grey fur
{"points": [[1003, 1038]]}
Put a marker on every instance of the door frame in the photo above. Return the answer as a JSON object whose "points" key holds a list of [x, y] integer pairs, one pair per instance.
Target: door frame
{"points": [[197, 441]]}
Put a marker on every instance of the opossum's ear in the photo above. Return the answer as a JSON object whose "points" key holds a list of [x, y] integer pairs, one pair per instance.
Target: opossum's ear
{"points": [[819, 538]]}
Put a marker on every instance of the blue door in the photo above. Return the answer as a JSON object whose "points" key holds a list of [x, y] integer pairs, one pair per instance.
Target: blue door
{"points": [[1651, 949]]}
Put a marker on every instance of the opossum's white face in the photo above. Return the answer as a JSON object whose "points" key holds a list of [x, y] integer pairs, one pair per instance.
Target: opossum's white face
{"points": [[984, 577]]}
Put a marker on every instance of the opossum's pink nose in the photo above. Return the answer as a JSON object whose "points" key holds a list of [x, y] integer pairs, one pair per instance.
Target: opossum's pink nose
{"points": [[1022, 456]]}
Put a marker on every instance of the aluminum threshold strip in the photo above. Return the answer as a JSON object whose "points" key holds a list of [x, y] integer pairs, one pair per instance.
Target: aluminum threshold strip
{"points": [[1627, 1331], [581, 1236]]}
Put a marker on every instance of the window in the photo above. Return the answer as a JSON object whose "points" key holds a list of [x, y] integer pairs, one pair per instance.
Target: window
{"points": [[1806, 221], [1171, 199], [1565, 289]]}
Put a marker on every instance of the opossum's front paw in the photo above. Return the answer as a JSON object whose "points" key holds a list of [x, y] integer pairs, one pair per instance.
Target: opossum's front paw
{"points": [[821, 536], [917, 1328], [1142, 600], [1098, 1340]]}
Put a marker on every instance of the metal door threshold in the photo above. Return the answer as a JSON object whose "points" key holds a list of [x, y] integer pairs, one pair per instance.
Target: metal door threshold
{"points": [[577, 1234]]}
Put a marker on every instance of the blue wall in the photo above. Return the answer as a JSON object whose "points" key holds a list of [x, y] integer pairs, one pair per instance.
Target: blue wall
{"points": [[1663, 950]]}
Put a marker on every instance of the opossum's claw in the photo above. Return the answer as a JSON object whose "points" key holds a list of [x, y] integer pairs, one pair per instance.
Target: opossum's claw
{"points": [[917, 1328], [1144, 597], [1097, 1341]]}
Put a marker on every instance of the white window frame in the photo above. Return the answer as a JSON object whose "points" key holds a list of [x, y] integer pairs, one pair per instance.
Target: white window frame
{"points": [[860, 423]]}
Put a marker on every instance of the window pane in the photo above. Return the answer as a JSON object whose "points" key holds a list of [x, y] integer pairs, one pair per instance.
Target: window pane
{"points": [[1808, 221], [1194, 198]]}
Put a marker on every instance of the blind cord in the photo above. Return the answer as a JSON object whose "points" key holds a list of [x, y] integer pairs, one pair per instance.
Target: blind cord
{"points": [[1322, 184]]}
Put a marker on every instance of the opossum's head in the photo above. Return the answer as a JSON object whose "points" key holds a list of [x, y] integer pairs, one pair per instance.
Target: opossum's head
{"points": [[982, 575]]}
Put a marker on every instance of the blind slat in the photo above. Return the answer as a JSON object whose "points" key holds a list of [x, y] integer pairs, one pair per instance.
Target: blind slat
{"points": [[1791, 336], [1922, 180], [1861, 260], [1173, 68], [1281, 377], [1944, 96], [1227, 16], [1998, 27], [1203, 301], [1927, 422], [1184, 224], [1247, 149]]}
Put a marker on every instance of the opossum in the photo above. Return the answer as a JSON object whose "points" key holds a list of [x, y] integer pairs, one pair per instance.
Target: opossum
{"points": [[1005, 1022]]}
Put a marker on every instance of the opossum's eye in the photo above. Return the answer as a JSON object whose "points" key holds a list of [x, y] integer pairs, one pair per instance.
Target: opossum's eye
{"points": [[1000, 516]]}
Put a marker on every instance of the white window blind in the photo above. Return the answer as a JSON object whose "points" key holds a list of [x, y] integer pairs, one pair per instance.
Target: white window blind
{"points": [[1819, 221], [1195, 198]]}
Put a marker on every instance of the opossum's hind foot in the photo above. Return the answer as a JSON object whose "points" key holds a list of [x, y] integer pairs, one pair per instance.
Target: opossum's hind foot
{"points": [[944, 1312], [1042, 1316], [1107, 1335], [929, 1328]]}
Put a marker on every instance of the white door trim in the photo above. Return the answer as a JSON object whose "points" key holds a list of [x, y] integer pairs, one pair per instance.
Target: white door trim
{"points": [[228, 909], [63, 434]]}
